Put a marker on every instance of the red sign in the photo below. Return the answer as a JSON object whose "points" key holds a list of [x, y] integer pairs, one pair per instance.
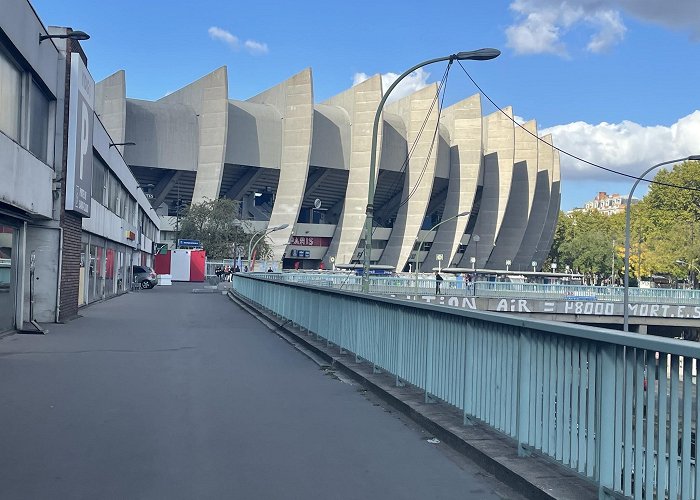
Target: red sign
{"points": [[310, 241]]}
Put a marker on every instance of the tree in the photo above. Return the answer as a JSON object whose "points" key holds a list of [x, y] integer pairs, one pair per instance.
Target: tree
{"points": [[585, 241], [663, 231], [217, 224]]}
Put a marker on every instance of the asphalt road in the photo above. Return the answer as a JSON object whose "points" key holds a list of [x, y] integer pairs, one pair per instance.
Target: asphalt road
{"points": [[166, 394]]}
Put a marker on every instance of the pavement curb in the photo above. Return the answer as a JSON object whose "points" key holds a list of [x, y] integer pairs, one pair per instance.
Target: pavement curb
{"points": [[536, 476]]}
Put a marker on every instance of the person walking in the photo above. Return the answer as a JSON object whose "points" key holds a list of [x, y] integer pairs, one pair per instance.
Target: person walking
{"points": [[438, 282]]}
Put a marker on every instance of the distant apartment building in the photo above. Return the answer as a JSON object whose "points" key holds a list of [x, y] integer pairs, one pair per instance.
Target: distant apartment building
{"points": [[608, 204]]}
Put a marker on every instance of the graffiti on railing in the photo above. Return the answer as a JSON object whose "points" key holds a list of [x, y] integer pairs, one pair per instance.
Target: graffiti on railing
{"points": [[575, 307]]}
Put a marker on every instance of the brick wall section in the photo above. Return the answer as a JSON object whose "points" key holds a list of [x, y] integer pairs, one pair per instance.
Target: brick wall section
{"points": [[71, 223]]}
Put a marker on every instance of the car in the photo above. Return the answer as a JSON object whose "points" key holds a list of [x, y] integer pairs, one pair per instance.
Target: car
{"points": [[144, 277]]}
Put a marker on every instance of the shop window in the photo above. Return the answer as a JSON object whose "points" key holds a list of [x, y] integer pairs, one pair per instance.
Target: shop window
{"points": [[10, 97]]}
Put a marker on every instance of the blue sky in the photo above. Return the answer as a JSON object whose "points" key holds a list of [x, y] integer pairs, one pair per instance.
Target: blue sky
{"points": [[615, 81]]}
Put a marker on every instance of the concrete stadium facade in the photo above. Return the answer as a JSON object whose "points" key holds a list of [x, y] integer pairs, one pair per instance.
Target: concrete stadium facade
{"points": [[292, 161]]}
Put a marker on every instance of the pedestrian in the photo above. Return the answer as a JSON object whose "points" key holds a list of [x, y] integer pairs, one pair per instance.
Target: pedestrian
{"points": [[438, 282], [269, 270], [236, 269], [245, 269], [227, 273]]}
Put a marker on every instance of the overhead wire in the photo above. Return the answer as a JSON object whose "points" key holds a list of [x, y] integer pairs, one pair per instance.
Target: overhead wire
{"points": [[410, 152], [395, 187], [564, 152]]}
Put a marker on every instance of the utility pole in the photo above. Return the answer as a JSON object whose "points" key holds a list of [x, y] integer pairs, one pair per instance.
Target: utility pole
{"points": [[612, 274]]}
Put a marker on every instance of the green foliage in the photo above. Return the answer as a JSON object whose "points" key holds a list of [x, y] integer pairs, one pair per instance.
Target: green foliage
{"points": [[217, 225], [664, 229], [584, 242]]}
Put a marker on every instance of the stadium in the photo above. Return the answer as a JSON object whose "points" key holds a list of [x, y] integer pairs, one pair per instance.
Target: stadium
{"points": [[490, 185]]}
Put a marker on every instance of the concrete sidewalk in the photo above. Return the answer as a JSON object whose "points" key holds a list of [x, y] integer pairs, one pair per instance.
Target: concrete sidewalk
{"points": [[166, 394]]}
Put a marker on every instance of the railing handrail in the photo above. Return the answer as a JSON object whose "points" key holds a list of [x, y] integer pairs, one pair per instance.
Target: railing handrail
{"points": [[593, 333]]}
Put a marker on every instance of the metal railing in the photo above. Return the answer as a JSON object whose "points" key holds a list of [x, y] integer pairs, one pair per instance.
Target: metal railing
{"points": [[426, 284], [618, 408]]}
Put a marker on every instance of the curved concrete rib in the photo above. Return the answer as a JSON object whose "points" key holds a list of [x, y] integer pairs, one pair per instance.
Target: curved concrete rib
{"points": [[208, 96], [464, 122], [497, 176], [165, 135], [418, 184], [254, 135], [540, 207], [519, 201], [360, 102], [330, 142], [294, 100], [550, 224], [110, 106]]}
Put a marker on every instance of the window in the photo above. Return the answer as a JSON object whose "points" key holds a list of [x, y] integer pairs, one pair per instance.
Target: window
{"points": [[113, 192], [123, 203], [38, 122], [10, 97], [98, 180]]}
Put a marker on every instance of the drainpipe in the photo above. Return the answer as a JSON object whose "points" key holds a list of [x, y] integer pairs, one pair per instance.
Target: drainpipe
{"points": [[58, 274]]}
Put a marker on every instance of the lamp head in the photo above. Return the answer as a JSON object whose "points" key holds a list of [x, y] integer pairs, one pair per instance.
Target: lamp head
{"points": [[71, 35], [478, 55]]}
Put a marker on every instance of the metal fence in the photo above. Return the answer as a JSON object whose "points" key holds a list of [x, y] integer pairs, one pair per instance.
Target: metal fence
{"points": [[618, 408], [425, 284]]}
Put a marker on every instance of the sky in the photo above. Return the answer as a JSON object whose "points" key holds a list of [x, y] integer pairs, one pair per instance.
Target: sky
{"points": [[616, 82]]}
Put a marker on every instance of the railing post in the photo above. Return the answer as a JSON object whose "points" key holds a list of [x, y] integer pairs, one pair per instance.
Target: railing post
{"points": [[524, 361], [606, 423], [429, 362]]}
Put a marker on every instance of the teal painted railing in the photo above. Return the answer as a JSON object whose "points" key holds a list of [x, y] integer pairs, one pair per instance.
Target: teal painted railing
{"points": [[425, 284], [620, 409]]}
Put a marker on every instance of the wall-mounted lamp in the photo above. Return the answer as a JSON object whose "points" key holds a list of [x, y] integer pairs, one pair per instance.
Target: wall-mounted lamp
{"points": [[122, 144], [71, 35]]}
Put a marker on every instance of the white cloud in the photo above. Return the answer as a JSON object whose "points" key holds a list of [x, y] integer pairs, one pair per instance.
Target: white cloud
{"points": [[224, 36], [627, 146], [253, 47], [412, 83], [611, 30], [541, 25], [538, 33], [256, 47]]}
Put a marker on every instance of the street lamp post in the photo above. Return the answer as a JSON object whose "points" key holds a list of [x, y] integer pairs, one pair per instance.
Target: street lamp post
{"points": [[534, 266], [508, 263], [426, 235], [476, 239], [475, 55], [626, 297], [263, 233]]}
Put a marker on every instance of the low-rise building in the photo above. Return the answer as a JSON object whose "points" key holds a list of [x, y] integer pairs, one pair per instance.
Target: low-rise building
{"points": [[608, 204], [72, 216]]}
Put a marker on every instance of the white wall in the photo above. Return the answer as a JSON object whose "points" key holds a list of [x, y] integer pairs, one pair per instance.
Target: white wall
{"points": [[25, 182]]}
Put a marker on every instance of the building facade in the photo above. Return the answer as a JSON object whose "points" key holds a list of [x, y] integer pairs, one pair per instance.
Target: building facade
{"points": [[72, 216], [291, 161], [608, 204]]}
